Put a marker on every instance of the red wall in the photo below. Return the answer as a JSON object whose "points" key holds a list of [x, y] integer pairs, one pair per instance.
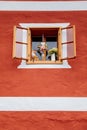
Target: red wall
{"points": [[43, 82]]}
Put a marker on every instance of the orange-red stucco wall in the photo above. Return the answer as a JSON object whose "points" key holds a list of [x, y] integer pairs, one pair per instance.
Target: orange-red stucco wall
{"points": [[43, 82]]}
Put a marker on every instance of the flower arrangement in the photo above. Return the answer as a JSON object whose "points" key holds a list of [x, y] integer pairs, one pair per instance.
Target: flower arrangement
{"points": [[52, 51], [42, 47]]}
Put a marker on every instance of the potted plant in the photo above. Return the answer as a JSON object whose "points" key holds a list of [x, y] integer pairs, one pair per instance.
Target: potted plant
{"points": [[53, 53]]}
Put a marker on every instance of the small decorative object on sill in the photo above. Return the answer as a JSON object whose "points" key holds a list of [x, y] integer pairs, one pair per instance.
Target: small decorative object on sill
{"points": [[43, 50], [53, 53], [34, 56], [53, 57]]}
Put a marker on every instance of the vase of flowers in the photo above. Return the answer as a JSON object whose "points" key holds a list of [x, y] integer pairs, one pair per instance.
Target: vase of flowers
{"points": [[53, 53], [42, 50]]}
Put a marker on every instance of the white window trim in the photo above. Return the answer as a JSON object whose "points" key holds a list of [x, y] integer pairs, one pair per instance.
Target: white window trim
{"points": [[65, 62]]}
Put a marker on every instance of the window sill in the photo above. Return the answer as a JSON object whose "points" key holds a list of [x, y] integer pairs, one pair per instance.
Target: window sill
{"points": [[23, 65]]}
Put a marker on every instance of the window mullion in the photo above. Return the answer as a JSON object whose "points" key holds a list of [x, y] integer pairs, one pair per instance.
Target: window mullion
{"points": [[44, 40], [29, 48], [59, 44]]}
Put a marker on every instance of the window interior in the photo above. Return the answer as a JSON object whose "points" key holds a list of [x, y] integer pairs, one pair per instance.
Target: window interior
{"points": [[43, 41]]}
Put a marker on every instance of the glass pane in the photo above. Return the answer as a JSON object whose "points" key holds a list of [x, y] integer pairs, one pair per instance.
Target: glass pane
{"points": [[64, 51], [67, 35], [70, 34], [35, 43], [21, 35], [21, 51], [68, 50], [51, 44]]}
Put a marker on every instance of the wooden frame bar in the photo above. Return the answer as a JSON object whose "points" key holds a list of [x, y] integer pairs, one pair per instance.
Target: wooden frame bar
{"points": [[20, 58], [48, 27], [67, 27], [44, 40], [29, 46], [67, 42], [21, 43], [69, 58], [44, 62], [14, 42], [59, 44], [74, 40], [21, 27]]}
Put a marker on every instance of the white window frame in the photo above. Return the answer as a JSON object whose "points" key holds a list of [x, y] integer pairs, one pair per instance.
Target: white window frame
{"points": [[33, 25]]}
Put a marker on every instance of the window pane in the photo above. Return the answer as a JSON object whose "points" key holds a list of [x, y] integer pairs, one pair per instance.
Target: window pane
{"points": [[51, 43], [50, 39], [70, 34], [21, 51], [67, 35], [70, 50], [37, 39], [21, 35], [35, 42]]}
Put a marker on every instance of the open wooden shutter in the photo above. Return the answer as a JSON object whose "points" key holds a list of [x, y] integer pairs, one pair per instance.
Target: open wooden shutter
{"points": [[68, 43], [20, 43]]}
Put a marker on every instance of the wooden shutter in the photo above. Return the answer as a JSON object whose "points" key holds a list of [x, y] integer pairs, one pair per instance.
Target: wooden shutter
{"points": [[20, 43], [68, 43]]}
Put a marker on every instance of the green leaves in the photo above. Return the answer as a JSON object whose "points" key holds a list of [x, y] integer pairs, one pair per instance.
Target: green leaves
{"points": [[53, 50]]}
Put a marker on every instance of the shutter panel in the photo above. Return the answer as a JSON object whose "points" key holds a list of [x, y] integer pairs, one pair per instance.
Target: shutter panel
{"points": [[68, 43], [20, 43]]}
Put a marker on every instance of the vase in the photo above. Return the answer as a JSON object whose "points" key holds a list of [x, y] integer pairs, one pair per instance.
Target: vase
{"points": [[53, 57]]}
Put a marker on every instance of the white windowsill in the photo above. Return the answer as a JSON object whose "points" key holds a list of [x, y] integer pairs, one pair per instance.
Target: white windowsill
{"points": [[24, 65]]}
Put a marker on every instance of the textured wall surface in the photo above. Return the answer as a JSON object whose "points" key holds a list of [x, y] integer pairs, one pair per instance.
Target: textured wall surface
{"points": [[48, 82], [43, 82]]}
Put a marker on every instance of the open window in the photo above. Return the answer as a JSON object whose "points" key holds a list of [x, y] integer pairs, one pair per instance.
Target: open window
{"points": [[44, 45], [68, 43], [43, 40], [20, 43]]}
